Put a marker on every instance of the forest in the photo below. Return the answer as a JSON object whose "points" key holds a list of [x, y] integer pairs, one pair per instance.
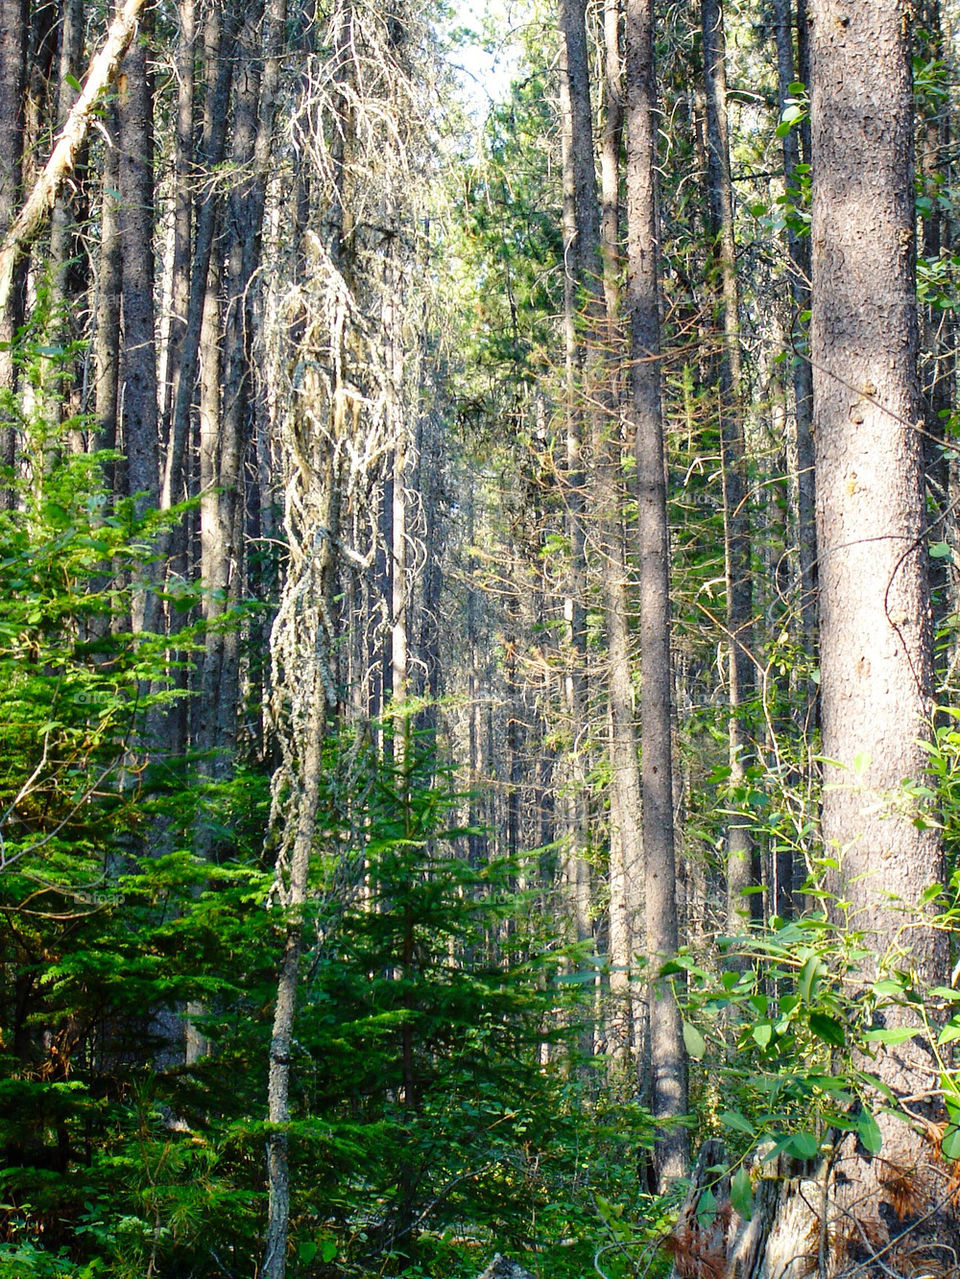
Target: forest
{"points": [[479, 639]]}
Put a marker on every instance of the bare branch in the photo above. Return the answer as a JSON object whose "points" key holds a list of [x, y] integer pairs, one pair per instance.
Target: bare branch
{"points": [[27, 224]]}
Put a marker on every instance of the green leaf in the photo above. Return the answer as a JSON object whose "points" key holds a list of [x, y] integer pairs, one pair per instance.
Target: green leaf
{"points": [[869, 1132], [328, 1251], [695, 1043], [762, 1033], [73, 82], [950, 1031], [307, 1251], [706, 1209], [939, 550], [897, 1035], [810, 975], [734, 1119], [741, 1194], [951, 1097], [950, 1145], [888, 986], [828, 1029], [804, 1145]]}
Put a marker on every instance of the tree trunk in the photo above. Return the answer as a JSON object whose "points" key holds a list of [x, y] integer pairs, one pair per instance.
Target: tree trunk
{"points": [[31, 217], [69, 267], [12, 71], [802, 374], [576, 869], [668, 1091], [893, 1213], [597, 277], [184, 174], [138, 365], [106, 340], [740, 875], [219, 61]]}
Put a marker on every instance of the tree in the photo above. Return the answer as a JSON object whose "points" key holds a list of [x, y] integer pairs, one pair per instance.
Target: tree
{"points": [[884, 1207], [667, 1066], [732, 452], [875, 624]]}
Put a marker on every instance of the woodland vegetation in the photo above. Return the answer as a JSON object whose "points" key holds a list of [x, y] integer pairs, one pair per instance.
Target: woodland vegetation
{"points": [[480, 760]]}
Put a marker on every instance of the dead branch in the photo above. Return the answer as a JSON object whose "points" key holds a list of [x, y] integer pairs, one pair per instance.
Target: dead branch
{"points": [[103, 67]]}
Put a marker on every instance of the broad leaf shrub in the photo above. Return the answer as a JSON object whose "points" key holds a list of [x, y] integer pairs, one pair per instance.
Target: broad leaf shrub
{"points": [[784, 1037]]}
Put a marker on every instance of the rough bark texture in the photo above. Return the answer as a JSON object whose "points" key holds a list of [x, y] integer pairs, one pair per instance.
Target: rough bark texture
{"points": [[176, 320], [668, 1093], [219, 70], [893, 1213], [875, 610], [875, 635], [68, 263]]}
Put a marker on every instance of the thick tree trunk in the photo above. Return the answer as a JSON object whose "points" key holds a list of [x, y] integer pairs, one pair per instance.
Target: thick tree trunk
{"points": [[893, 1213], [875, 610], [668, 1091]]}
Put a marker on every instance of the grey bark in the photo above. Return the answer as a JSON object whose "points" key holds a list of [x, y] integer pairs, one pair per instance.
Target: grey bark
{"points": [[596, 262], [138, 367], [875, 606], [12, 73], [576, 870], [219, 62], [68, 261], [138, 364], [668, 1086], [876, 659], [106, 341], [736, 522], [176, 320]]}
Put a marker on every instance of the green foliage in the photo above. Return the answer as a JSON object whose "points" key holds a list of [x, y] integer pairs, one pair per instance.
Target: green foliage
{"points": [[428, 1004], [785, 1037]]}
